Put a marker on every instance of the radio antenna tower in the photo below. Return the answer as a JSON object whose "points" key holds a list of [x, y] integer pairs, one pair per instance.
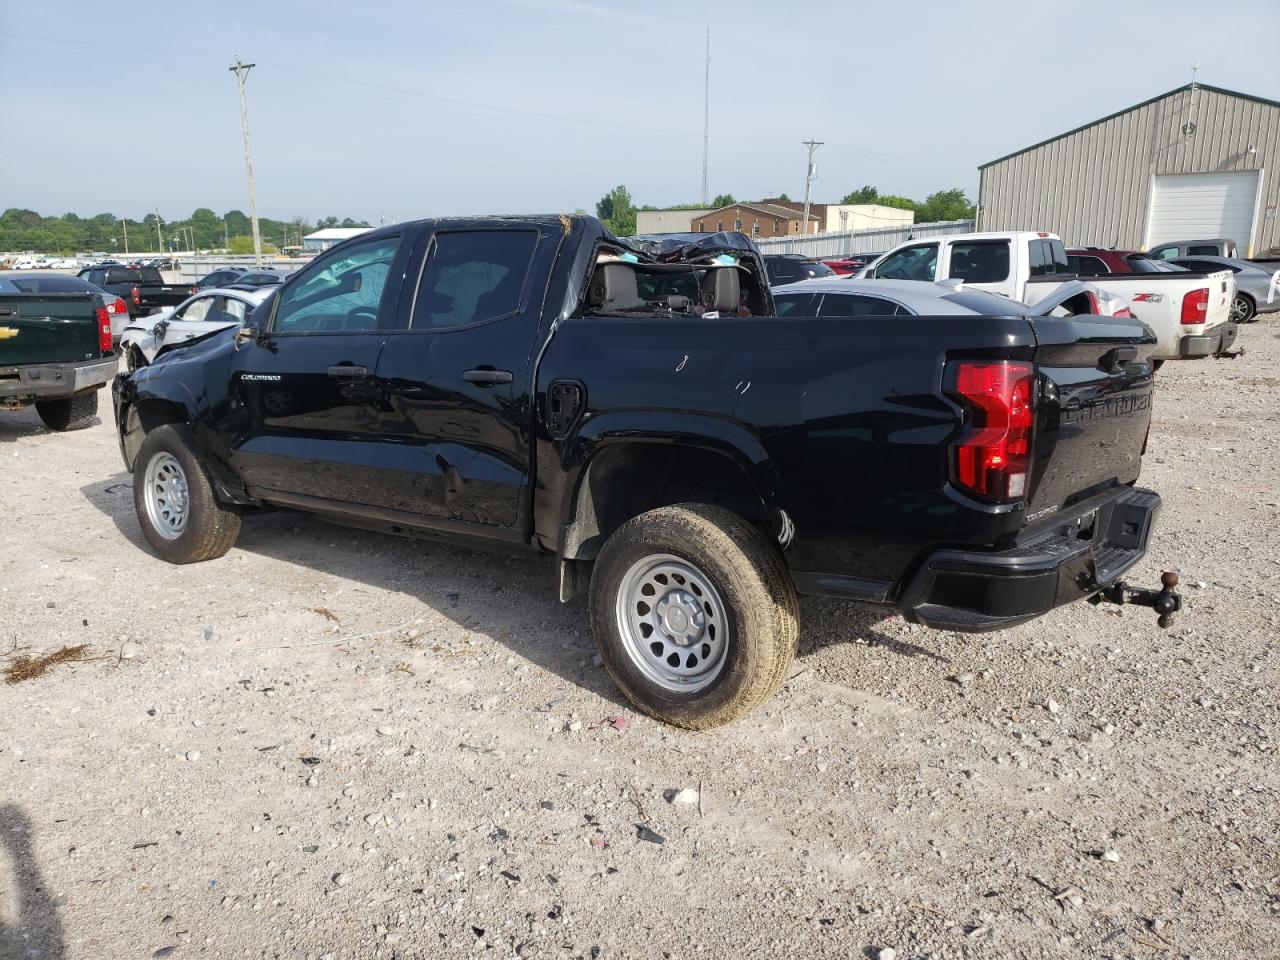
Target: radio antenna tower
{"points": [[706, 116]]}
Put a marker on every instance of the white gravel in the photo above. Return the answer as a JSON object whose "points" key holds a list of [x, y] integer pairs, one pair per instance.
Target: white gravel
{"points": [[229, 779]]}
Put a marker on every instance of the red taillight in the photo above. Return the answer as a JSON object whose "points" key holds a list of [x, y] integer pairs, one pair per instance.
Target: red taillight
{"points": [[992, 458], [194, 291], [1095, 307], [119, 307], [1124, 312], [103, 316], [135, 297], [1195, 306]]}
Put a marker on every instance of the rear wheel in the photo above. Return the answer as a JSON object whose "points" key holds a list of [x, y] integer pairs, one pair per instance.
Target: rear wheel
{"points": [[70, 413], [180, 514], [1243, 309], [694, 614]]}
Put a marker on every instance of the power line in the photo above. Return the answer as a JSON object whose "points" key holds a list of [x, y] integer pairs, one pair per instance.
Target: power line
{"points": [[241, 70]]}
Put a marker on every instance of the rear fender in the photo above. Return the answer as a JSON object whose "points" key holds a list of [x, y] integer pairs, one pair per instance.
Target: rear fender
{"points": [[621, 465]]}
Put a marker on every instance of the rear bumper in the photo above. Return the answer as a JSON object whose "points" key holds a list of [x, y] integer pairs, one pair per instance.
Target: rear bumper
{"points": [[975, 592], [45, 381], [1210, 343]]}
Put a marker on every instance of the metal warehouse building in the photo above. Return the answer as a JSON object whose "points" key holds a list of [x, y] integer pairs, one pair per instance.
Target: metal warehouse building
{"points": [[1194, 163]]}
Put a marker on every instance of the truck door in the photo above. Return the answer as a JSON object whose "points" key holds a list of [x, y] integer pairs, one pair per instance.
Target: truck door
{"points": [[305, 404], [458, 380], [981, 264]]}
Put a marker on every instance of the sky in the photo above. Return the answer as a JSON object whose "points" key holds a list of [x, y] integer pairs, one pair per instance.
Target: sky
{"points": [[393, 110]]}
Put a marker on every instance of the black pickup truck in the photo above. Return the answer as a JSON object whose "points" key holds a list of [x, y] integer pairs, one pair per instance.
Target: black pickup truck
{"points": [[55, 351], [141, 288], [634, 408]]}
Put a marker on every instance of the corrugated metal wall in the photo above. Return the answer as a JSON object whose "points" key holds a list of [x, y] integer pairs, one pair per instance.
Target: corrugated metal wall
{"points": [[1093, 186], [861, 241]]}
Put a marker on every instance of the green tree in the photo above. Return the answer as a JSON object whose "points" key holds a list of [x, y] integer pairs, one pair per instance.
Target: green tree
{"points": [[945, 205], [617, 211], [723, 200], [244, 244], [867, 194], [784, 198], [206, 228]]}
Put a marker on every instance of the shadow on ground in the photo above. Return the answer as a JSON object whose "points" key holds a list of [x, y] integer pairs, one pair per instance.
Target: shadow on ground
{"points": [[510, 597], [36, 931]]}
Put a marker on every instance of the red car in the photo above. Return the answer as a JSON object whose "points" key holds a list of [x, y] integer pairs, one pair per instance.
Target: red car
{"points": [[1098, 262], [850, 264]]}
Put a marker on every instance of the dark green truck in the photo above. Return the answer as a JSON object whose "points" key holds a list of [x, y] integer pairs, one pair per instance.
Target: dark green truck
{"points": [[55, 352]]}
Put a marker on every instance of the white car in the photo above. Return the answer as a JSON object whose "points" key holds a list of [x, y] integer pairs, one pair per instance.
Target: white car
{"points": [[214, 309], [1190, 313]]}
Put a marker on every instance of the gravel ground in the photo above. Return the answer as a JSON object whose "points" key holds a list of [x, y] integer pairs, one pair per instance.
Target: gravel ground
{"points": [[228, 775]]}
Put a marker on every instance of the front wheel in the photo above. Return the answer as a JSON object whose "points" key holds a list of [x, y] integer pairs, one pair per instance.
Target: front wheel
{"points": [[694, 614], [69, 413], [1243, 309], [181, 516]]}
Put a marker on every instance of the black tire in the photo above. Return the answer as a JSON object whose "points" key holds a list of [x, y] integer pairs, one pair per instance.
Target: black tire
{"points": [[1243, 309], [760, 606], [210, 527], [69, 413]]}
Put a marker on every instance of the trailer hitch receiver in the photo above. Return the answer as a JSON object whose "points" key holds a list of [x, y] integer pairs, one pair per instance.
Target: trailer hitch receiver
{"points": [[1165, 602]]}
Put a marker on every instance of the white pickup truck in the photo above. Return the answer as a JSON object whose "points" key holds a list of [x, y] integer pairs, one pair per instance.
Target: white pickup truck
{"points": [[1190, 313]]}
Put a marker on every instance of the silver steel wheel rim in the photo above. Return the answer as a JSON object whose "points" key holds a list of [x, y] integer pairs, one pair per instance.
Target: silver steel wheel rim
{"points": [[166, 496], [1239, 309], [673, 623]]}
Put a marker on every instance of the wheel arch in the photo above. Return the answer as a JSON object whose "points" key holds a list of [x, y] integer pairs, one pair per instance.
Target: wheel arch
{"points": [[632, 468]]}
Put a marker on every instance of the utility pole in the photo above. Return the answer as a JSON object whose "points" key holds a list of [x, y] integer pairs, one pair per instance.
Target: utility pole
{"points": [[124, 223], [706, 116], [241, 70], [159, 242], [808, 180]]}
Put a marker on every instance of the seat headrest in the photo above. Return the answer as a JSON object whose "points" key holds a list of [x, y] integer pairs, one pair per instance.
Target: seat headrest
{"points": [[610, 282], [721, 289]]}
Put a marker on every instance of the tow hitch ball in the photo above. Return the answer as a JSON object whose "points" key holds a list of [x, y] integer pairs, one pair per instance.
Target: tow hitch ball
{"points": [[1166, 601]]}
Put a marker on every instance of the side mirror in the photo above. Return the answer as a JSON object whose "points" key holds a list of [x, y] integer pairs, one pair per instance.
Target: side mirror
{"points": [[245, 334], [161, 327]]}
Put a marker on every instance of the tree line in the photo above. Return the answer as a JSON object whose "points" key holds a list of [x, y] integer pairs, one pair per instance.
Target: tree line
{"points": [[23, 230], [618, 212]]}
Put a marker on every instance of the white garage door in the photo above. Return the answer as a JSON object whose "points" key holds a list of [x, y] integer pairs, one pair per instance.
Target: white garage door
{"points": [[1201, 206]]}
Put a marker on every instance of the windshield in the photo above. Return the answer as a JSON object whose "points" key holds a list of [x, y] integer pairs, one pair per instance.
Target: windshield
{"points": [[1141, 264]]}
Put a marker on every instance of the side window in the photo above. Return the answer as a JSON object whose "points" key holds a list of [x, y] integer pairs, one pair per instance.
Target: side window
{"points": [[1163, 253], [196, 310], [1087, 266], [795, 304], [472, 276], [339, 292], [1202, 250], [848, 305], [1055, 254], [912, 263], [1038, 266], [980, 262], [234, 311]]}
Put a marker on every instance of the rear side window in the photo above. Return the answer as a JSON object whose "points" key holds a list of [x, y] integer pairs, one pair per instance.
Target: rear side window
{"points": [[1163, 253], [853, 305], [1089, 266], [1047, 257], [340, 292], [794, 304], [782, 271], [1202, 250], [912, 263], [472, 276], [980, 261]]}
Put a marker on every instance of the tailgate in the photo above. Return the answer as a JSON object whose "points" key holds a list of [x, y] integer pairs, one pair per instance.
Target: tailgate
{"points": [[48, 328], [1096, 385], [1222, 290]]}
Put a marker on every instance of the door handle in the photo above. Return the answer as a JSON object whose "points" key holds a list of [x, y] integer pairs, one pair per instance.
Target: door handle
{"points": [[487, 376], [348, 371]]}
